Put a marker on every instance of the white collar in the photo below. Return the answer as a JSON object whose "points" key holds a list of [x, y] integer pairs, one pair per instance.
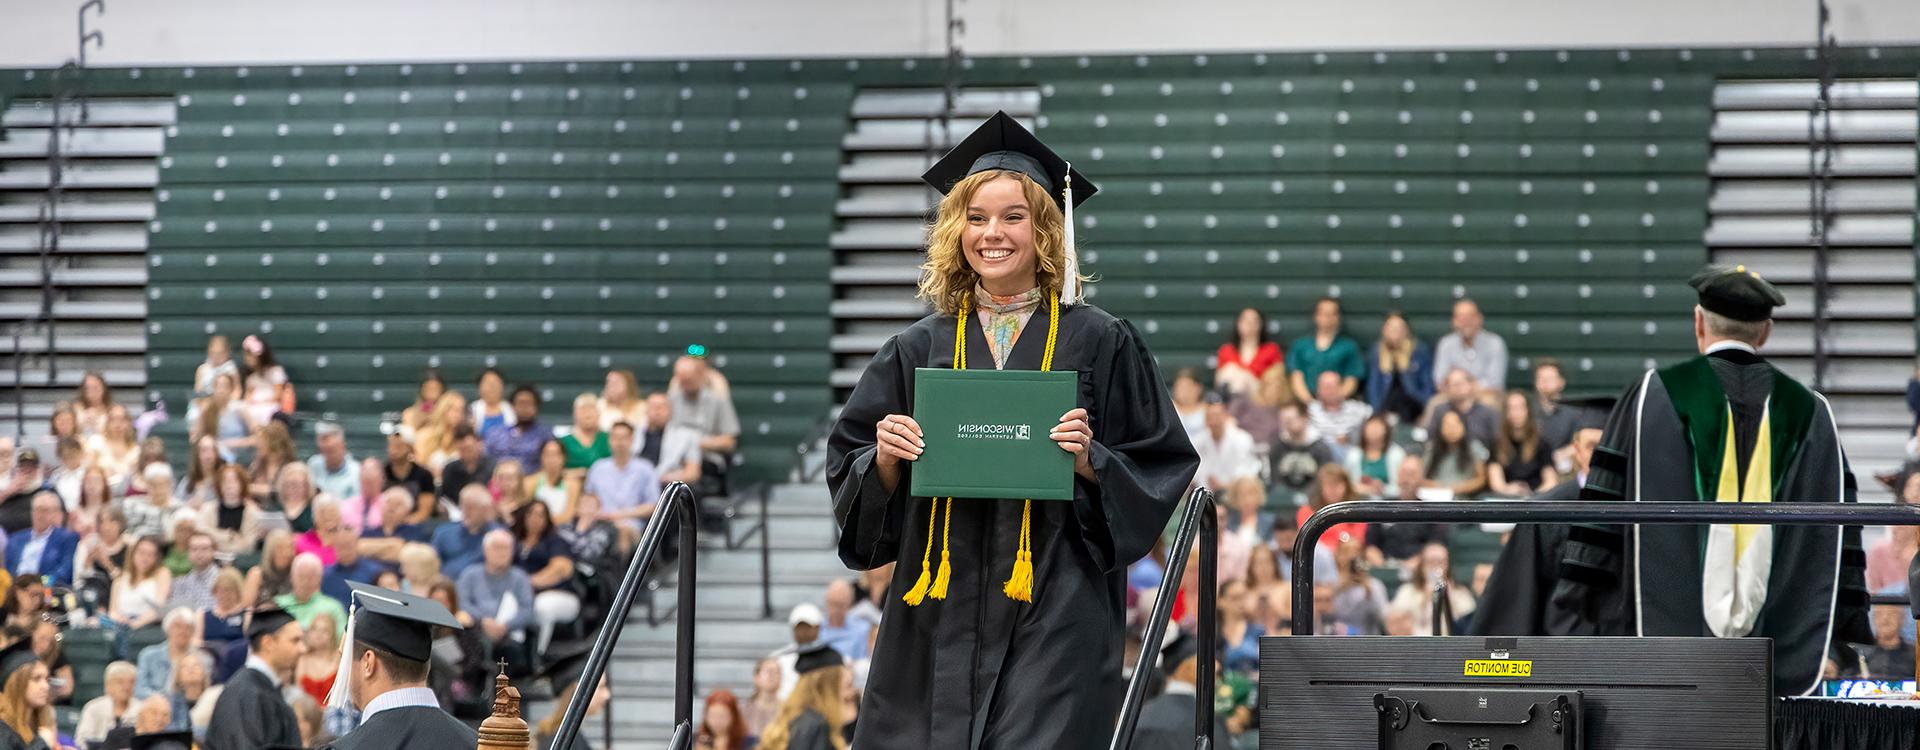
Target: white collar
{"points": [[1725, 344], [406, 697], [1176, 687], [260, 665]]}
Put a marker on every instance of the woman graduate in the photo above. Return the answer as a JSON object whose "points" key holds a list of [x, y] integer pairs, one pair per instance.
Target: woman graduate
{"points": [[1010, 628]]}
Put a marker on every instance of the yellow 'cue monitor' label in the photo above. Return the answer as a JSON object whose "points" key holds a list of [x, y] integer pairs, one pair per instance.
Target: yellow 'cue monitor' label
{"points": [[1498, 668]]}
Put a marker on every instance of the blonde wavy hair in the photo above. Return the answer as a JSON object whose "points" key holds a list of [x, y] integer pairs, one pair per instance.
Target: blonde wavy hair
{"points": [[818, 690], [946, 277]]}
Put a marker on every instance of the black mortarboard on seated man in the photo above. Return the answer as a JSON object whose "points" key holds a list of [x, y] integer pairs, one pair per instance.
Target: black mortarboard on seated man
{"points": [[1002, 143], [180, 740], [1737, 293], [389, 621]]}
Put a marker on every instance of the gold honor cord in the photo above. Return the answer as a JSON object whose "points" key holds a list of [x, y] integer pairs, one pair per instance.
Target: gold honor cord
{"points": [[1019, 586]]}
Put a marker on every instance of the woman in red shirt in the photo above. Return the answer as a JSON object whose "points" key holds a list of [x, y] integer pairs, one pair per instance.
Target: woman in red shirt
{"points": [[1248, 354]]}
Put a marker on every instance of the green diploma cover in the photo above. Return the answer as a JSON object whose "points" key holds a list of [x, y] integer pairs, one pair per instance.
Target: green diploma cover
{"points": [[987, 433]]}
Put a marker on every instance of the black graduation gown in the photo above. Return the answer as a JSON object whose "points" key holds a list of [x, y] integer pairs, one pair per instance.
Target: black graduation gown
{"points": [[250, 715], [412, 728], [1166, 723], [1515, 600], [1623, 581], [978, 669], [10, 740], [809, 731]]}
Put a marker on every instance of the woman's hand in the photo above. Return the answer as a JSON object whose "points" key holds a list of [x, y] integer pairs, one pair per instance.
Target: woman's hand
{"points": [[1076, 437], [897, 438]]}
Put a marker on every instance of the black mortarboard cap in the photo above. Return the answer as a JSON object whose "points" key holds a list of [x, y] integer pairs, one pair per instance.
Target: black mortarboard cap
{"points": [[1181, 647], [1736, 292], [1592, 410], [565, 663], [15, 657], [399, 624], [1002, 143], [266, 620], [180, 740], [817, 656]]}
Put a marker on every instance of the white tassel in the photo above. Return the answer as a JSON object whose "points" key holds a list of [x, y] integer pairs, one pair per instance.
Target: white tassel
{"points": [[1070, 283], [339, 696]]}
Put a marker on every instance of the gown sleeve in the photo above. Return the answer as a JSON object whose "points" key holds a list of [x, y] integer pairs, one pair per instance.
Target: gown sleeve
{"points": [[868, 516], [1141, 454], [1590, 596]]}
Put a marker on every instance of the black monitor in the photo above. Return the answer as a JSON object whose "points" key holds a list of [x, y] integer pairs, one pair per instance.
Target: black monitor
{"points": [[1319, 692]]}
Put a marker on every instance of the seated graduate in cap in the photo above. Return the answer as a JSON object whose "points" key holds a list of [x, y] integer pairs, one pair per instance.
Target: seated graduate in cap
{"points": [[811, 717], [1167, 720], [26, 700], [1725, 426], [383, 673], [1009, 633], [564, 675], [251, 713]]}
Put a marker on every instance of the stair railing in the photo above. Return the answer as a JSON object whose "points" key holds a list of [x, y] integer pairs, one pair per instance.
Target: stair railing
{"points": [[1198, 517]]}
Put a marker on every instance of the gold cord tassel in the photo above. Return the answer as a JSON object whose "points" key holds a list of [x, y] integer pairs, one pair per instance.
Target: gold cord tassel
{"points": [[945, 575], [919, 590], [1020, 585]]}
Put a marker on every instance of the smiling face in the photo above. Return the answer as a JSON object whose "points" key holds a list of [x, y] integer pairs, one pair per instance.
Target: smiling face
{"points": [[998, 241]]}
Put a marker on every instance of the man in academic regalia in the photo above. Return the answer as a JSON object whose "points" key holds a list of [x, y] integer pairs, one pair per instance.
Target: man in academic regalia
{"points": [[251, 713], [1166, 721], [383, 671], [1725, 426]]}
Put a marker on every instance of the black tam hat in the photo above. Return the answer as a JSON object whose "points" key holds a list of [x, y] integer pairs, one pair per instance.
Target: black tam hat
{"points": [[816, 657], [1736, 292]]}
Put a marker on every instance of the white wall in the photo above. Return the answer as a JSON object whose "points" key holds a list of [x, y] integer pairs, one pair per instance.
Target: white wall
{"points": [[152, 32]]}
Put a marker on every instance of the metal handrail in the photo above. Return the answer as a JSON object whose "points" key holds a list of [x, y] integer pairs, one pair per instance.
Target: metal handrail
{"points": [[676, 504], [1197, 516], [1584, 511]]}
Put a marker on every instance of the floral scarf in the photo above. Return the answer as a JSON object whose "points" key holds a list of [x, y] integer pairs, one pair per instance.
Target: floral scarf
{"points": [[1003, 318]]}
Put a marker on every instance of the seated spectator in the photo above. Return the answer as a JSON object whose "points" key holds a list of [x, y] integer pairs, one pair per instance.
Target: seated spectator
{"points": [[1230, 550], [804, 620], [275, 452], [1399, 371], [434, 443], [461, 674], [1433, 567], [1325, 350], [1251, 522], [1373, 461], [489, 409], [315, 670], [267, 388], [318, 541], [1456, 461], [274, 575], [414, 417], [1890, 656], [1258, 411], [96, 495], [222, 416], [721, 727], [592, 542], [334, 470], [1470, 347], [555, 484], [1332, 485], [311, 718], [401, 471], [113, 708], [1226, 451], [1240, 630], [1887, 559], [293, 495], [1404, 540], [872, 593], [460, 545], [224, 622], [156, 662], [585, 443], [193, 694], [1558, 420], [67, 477], [362, 508], [1297, 455], [470, 466], [419, 568], [521, 439], [497, 594], [23, 482], [510, 486], [626, 486], [176, 561], [232, 518], [672, 448], [193, 590], [708, 411], [46, 646], [203, 475], [348, 565], [115, 449], [141, 590], [548, 563], [840, 630], [1267, 583], [102, 554], [1246, 356], [1189, 401], [1522, 460], [92, 403], [219, 360], [46, 548], [620, 400], [393, 527], [26, 604], [764, 701], [147, 514], [1462, 397], [1359, 602], [1335, 416], [305, 601]]}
